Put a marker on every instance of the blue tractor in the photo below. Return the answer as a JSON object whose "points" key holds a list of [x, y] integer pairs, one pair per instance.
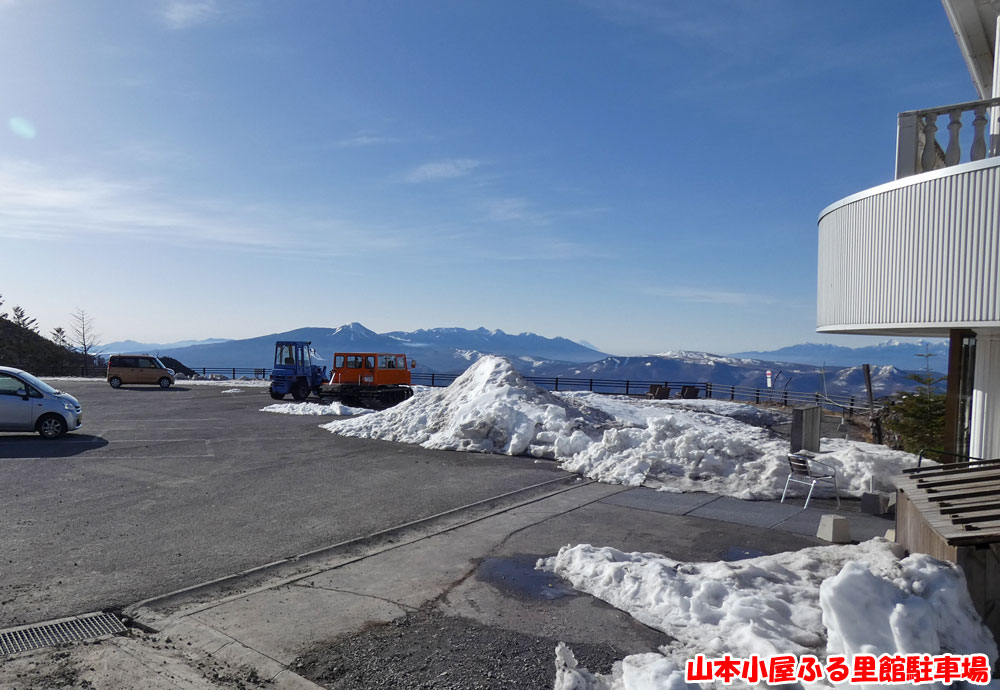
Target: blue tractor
{"points": [[294, 371]]}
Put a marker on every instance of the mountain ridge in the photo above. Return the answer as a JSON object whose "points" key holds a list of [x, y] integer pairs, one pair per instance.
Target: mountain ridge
{"points": [[902, 354], [450, 350]]}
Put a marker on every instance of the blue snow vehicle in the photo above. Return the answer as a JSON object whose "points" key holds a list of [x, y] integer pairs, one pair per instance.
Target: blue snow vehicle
{"points": [[294, 371]]}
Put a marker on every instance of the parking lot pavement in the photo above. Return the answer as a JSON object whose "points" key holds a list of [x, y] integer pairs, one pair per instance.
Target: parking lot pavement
{"points": [[162, 489], [166, 489]]}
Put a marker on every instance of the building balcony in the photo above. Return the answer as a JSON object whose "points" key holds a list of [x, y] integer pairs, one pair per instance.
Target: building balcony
{"points": [[919, 256]]}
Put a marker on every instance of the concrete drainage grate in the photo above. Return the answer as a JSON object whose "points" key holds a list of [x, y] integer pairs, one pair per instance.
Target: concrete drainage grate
{"points": [[86, 627]]}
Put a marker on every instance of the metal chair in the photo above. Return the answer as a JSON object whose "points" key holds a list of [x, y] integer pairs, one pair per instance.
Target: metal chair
{"points": [[805, 469]]}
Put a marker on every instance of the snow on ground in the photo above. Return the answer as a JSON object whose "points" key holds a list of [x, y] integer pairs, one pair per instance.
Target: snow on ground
{"points": [[684, 445], [245, 382], [315, 409], [821, 600], [232, 390]]}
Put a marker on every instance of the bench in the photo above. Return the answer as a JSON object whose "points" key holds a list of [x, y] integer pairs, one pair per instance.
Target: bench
{"points": [[658, 392]]}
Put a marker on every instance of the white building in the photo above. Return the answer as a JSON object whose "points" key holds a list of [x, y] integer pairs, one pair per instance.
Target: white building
{"points": [[920, 256]]}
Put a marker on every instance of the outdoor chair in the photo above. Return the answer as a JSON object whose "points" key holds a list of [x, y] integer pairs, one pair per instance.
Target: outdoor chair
{"points": [[805, 469], [658, 392]]}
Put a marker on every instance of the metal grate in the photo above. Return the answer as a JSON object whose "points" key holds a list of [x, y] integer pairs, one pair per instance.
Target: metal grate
{"points": [[87, 627]]}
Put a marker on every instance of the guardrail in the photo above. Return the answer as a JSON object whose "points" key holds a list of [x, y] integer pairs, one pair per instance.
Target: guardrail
{"points": [[233, 372], [702, 389]]}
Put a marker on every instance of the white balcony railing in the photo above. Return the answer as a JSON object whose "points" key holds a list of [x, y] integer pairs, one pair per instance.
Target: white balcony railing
{"points": [[917, 146]]}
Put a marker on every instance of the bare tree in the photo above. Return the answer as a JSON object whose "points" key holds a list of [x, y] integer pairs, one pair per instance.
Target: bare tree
{"points": [[85, 338], [3, 314]]}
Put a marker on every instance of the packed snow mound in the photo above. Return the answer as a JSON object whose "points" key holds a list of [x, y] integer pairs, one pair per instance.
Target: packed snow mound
{"points": [[315, 409], [490, 408], [924, 608], [822, 600], [720, 447]]}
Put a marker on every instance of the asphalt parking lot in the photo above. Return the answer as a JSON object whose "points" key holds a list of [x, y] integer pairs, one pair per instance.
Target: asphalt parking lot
{"points": [[163, 489]]}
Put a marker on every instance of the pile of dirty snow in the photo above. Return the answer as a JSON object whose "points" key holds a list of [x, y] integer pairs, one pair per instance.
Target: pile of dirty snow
{"points": [[315, 409], [721, 447], [639, 409], [822, 600], [490, 408]]}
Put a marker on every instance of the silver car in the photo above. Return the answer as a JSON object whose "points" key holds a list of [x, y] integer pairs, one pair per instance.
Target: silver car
{"points": [[27, 404]]}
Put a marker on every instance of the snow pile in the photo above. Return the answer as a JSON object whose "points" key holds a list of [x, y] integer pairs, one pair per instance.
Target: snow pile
{"points": [[822, 600], [490, 408], [924, 609], [639, 410], [685, 451], [315, 409], [722, 447], [689, 451], [250, 383]]}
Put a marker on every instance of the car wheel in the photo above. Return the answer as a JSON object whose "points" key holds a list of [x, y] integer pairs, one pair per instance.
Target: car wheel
{"points": [[300, 391], [277, 396], [164, 382], [51, 426], [115, 382]]}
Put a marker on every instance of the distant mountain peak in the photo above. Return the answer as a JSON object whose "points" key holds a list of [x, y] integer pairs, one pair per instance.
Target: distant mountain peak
{"points": [[354, 329]]}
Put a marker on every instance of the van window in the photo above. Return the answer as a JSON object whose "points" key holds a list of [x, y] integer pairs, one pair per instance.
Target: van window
{"points": [[370, 362], [338, 362]]}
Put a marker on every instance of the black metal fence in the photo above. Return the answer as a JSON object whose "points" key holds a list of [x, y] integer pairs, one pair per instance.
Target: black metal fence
{"points": [[850, 404], [700, 389]]}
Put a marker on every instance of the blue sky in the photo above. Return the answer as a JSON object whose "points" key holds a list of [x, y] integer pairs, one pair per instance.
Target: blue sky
{"points": [[642, 174]]}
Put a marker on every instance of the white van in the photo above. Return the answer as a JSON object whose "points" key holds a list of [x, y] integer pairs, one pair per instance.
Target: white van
{"points": [[27, 404]]}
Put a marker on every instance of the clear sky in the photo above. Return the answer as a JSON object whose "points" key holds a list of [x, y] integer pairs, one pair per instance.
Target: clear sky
{"points": [[642, 174]]}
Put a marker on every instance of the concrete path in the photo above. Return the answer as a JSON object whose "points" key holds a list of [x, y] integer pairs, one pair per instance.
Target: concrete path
{"points": [[482, 570]]}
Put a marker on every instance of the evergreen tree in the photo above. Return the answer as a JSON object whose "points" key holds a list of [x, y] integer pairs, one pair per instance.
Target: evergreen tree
{"points": [[918, 418], [60, 338], [23, 320]]}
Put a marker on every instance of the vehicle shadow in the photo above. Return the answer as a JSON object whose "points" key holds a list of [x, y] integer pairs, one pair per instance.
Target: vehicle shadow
{"points": [[153, 389], [14, 446]]}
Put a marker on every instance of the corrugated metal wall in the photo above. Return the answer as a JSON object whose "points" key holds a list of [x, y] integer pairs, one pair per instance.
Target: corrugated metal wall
{"points": [[921, 254]]}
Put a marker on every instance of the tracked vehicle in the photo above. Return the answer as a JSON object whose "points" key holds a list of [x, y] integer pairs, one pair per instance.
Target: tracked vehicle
{"points": [[375, 380]]}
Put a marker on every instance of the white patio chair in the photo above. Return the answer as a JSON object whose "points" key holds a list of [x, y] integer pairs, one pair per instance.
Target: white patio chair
{"points": [[805, 469]]}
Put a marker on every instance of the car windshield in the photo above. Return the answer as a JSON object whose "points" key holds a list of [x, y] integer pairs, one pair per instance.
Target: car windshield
{"points": [[40, 385]]}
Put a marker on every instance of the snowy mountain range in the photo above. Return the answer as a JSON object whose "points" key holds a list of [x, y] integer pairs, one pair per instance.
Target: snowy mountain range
{"points": [[132, 346], [902, 354], [731, 371], [442, 350], [452, 350]]}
